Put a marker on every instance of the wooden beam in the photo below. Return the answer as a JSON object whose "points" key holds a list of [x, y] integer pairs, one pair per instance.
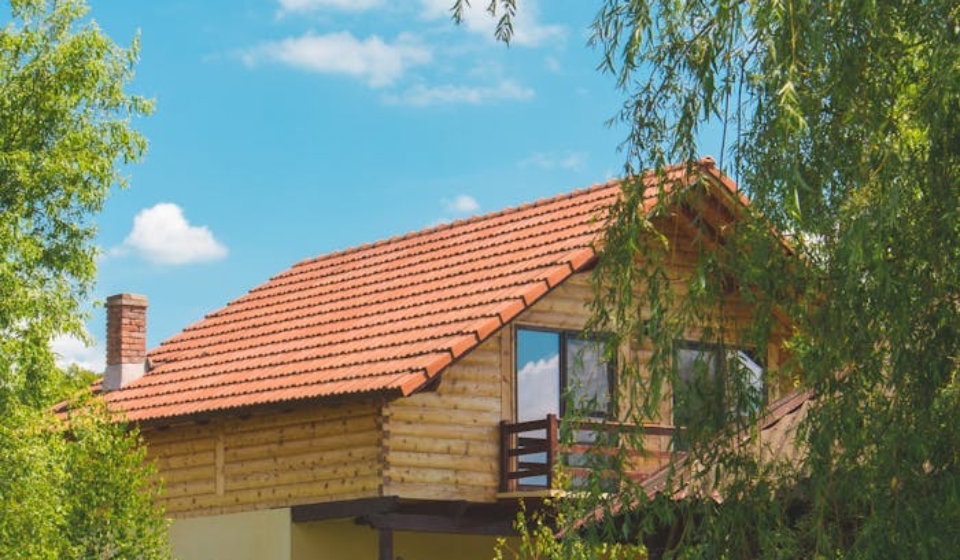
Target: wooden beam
{"points": [[341, 509], [465, 525]]}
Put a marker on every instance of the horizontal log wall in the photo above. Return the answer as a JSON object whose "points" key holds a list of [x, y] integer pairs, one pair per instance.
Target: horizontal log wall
{"points": [[686, 246], [325, 453], [444, 444], [566, 307]]}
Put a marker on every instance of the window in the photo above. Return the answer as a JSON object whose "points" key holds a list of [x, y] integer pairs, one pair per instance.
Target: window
{"points": [[555, 368], [706, 391]]}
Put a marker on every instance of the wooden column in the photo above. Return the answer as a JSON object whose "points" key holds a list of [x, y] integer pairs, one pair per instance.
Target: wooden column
{"points": [[505, 444], [386, 544]]}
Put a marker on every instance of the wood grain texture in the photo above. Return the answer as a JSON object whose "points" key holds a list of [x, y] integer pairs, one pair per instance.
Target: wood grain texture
{"points": [[322, 453]]}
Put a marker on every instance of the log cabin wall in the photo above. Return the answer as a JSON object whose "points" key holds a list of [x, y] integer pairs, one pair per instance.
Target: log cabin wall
{"points": [[567, 308], [317, 454], [444, 444], [686, 246]]}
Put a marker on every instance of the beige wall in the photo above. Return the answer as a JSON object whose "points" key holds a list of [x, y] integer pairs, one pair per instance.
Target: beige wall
{"points": [[258, 535], [332, 540], [270, 535], [345, 540], [430, 546]]}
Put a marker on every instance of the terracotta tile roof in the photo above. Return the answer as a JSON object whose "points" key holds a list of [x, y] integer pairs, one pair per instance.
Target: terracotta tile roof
{"points": [[383, 317]]}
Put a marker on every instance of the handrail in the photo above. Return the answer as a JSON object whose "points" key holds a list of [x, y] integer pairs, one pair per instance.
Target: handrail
{"points": [[530, 450]]}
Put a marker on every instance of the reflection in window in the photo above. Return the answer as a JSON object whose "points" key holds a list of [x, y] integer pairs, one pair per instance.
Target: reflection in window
{"points": [[557, 369], [545, 383], [538, 374], [707, 393], [587, 384]]}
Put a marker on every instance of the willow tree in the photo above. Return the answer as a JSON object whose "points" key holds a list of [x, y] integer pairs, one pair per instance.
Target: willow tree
{"points": [[80, 489], [841, 121]]}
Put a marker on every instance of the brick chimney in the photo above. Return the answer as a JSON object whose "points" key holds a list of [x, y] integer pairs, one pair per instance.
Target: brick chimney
{"points": [[126, 340]]}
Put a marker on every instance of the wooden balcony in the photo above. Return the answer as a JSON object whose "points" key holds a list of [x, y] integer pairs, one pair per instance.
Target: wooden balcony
{"points": [[530, 451]]}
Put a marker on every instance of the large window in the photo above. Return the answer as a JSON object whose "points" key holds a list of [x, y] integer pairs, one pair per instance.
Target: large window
{"points": [[707, 393], [558, 368]]}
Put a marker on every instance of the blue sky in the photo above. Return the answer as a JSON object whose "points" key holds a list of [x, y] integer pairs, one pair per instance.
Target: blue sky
{"points": [[286, 129]]}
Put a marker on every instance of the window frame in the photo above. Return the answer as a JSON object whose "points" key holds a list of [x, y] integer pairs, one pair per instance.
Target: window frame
{"points": [[563, 377], [719, 353]]}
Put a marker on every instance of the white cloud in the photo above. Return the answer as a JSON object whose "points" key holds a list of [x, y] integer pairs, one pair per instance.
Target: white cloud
{"points": [[462, 204], [423, 96], [295, 6], [70, 350], [456, 207], [527, 31], [372, 60], [570, 160], [161, 234], [540, 373]]}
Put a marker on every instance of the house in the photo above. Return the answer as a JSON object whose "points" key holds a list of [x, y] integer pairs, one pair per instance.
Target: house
{"points": [[381, 401]]}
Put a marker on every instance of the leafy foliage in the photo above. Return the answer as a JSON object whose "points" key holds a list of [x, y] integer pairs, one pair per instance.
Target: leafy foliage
{"points": [[842, 122], [76, 487], [64, 127], [80, 494]]}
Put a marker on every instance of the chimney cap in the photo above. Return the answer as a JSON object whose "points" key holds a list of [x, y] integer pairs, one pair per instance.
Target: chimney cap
{"points": [[127, 299]]}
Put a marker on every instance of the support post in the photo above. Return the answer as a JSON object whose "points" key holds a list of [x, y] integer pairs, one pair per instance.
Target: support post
{"points": [[552, 447], [386, 544], [505, 444]]}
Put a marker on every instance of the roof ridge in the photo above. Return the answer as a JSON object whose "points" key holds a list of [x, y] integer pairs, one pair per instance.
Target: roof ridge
{"points": [[286, 273], [508, 228]]}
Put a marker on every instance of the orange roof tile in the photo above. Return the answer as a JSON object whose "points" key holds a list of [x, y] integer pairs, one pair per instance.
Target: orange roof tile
{"points": [[383, 317]]}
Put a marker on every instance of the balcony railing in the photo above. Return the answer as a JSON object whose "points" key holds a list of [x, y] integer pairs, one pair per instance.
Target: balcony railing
{"points": [[530, 451]]}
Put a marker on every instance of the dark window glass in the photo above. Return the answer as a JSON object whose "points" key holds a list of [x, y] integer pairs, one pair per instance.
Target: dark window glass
{"points": [[698, 396], [707, 391], [588, 377]]}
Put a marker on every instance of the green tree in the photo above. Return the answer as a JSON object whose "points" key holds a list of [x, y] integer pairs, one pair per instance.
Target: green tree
{"points": [[72, 487], [84, 493], [64, 129], [841, 120]]}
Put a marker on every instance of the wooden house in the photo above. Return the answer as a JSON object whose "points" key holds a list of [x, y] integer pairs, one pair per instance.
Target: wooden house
{"points": [[375, 402]]}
